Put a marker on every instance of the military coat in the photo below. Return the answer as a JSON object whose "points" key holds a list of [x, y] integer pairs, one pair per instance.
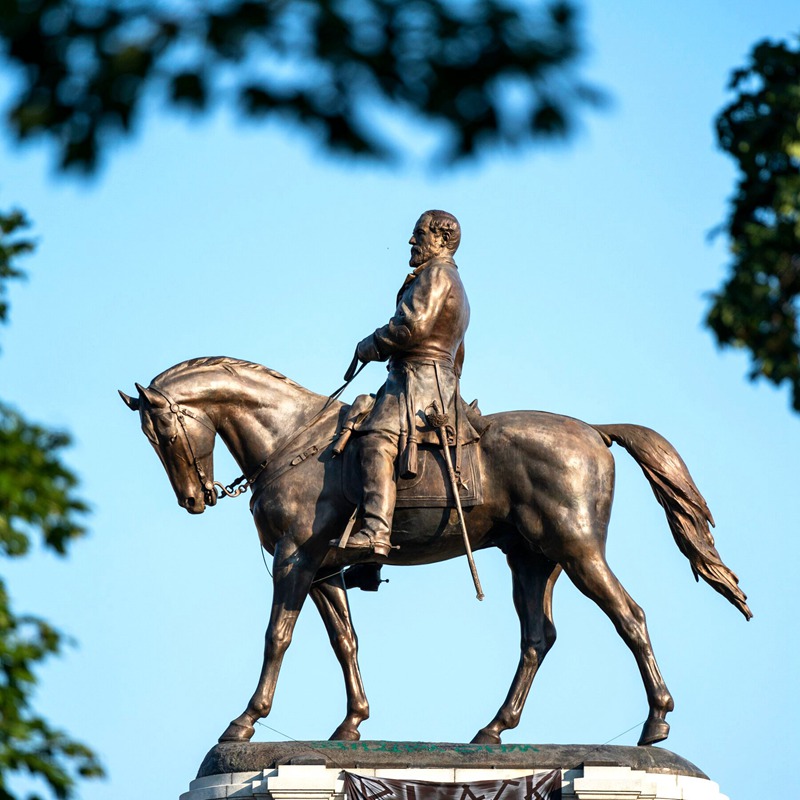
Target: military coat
{"points": [[424, 345]]}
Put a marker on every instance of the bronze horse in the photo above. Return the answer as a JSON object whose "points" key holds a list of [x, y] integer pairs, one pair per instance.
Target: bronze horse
{"points": [[548, 489]]}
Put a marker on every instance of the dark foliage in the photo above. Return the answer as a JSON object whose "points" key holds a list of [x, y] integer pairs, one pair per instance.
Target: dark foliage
{"points": [[483, 72], [757, 307], [28, 743], [36, 501], [11, 246]]}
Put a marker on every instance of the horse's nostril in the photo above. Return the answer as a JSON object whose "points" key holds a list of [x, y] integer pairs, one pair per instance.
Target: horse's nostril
{"points": [[189, 502]]}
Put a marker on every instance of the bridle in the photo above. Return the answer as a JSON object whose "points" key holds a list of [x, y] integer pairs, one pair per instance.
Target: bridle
{"points": [[209, 487], [243, 482]]}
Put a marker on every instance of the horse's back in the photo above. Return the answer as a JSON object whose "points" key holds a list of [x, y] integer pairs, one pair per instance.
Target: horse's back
{"points": [[551, 437]]}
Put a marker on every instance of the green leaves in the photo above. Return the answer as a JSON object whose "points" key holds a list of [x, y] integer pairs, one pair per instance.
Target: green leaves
{"points": [[11, 246], [35, 488], [485, 72], [28, 744], [37, 501], [757, 307]]}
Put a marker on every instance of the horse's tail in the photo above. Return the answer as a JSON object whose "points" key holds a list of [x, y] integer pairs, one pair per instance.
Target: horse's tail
{"points": [[687, 513]]}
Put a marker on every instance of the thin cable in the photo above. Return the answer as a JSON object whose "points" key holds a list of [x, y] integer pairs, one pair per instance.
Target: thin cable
{"points": [[313, 583], [299, 741], [336, 763], [264, 558], [613, 739], [632, 727]]}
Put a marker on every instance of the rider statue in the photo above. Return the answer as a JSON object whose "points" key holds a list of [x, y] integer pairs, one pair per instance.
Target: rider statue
{"points": [[424, 345]]}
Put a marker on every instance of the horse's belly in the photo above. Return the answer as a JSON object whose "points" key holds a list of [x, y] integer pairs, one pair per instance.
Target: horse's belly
{"points": [[428, 535]]}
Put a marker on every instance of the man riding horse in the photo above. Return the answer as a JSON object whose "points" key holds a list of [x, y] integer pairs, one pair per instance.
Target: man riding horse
{"points": [[424, 344]]}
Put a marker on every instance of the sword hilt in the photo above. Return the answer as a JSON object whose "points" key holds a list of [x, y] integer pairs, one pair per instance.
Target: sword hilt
{"points": [[434, 418]]}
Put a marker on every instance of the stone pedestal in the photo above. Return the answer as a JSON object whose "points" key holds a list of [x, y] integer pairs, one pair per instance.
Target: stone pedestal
{"points": [[314, 770]]}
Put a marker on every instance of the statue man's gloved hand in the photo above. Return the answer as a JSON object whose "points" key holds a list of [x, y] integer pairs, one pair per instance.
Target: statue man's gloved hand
{"points": [[367, 350]]}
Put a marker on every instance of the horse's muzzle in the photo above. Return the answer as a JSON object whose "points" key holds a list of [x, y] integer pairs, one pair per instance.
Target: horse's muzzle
{"points": [[192, 505]]}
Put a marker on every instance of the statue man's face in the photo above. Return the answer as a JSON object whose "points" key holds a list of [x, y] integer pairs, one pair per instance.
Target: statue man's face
{"points": [[425, 243]]}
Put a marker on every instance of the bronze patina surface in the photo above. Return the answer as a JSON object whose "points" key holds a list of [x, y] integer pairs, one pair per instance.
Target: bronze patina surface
{"points": [[255, 756], [424, 345], [548, 484]]}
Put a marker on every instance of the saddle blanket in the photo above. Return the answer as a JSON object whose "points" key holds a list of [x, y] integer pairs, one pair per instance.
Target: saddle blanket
{"points": [[430, 488]]}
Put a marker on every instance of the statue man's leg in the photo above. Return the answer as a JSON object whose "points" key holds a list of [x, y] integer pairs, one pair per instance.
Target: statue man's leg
{"points": [[378, 492]]}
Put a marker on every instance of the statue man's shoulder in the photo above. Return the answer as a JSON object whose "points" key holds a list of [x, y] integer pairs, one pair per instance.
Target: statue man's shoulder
{"points": [[443, 269], [439, 276]]}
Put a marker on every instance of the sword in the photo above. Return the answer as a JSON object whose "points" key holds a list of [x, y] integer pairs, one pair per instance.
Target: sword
{"points": [[439, 421]]}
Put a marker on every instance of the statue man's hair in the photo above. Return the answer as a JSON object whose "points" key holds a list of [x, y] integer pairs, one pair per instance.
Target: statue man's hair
{"points": [[444, 222]]}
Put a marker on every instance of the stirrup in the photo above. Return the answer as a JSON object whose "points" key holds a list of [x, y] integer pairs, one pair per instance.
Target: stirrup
{"points": [[380, 546]]}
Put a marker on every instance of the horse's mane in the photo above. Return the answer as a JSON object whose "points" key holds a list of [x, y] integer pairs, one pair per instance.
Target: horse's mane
{"points": [[231, 365]]}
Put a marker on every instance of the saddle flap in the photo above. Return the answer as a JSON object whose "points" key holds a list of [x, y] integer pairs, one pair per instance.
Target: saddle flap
{"points": [[430, 487]]}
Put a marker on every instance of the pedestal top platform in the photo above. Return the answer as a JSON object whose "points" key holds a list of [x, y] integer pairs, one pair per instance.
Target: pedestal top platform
{"points": [[240, 757]]}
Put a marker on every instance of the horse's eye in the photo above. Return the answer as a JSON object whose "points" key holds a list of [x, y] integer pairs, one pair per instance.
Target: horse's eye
{"points": [[173, 438]]}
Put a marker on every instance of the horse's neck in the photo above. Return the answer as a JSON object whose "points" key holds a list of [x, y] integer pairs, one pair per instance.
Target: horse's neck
{"points": [[262, 422], [256, 413]]}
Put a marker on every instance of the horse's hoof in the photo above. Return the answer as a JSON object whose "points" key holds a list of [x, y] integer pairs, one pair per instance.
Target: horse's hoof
{"points": [[237, 732], [345, 734], [484, 736], [654, 730]]}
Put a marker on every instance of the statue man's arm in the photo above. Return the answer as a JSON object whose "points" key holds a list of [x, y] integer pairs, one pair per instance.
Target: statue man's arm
{"points": [[413, 320]]}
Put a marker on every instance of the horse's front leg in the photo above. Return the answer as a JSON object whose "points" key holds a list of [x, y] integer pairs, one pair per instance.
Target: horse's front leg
{"points": [[330, 597], [293, 572]]}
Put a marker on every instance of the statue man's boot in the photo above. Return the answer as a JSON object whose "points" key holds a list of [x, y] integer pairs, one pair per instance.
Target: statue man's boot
{"points": [[379, 491]]}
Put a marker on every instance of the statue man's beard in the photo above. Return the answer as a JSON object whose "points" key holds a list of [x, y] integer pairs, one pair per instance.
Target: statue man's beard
{"points": [[418, 256]]}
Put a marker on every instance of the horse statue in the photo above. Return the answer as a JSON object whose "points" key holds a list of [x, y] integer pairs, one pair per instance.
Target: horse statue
{"points": [[548, 485]]}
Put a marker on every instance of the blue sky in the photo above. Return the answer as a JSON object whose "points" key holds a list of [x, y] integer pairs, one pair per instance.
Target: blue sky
{"points": [[587, 267]]}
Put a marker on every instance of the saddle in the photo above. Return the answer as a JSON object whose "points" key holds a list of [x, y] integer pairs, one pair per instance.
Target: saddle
{"points": [[431, 486]]}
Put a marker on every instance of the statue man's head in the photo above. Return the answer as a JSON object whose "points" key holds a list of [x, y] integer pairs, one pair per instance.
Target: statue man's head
{"points": [[436, 233]]}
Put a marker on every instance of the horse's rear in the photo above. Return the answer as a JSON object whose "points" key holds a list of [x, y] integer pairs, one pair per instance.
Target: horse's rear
{"points": [[550, 478]]}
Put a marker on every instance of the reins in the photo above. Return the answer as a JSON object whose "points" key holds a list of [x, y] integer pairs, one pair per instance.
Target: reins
{"points": [[241, 484]]}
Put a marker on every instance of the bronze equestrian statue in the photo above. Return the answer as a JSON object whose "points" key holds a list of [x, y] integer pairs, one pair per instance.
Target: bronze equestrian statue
{"points": [[547, 488]]}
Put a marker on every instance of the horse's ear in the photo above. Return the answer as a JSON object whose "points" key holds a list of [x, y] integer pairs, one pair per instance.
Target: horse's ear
{"points": [[131, 402], [152, 398]]}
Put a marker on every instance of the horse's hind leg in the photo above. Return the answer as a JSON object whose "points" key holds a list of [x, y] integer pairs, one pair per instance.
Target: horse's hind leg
{"points": [[330, 597], [533, 580], [592, 575]]}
